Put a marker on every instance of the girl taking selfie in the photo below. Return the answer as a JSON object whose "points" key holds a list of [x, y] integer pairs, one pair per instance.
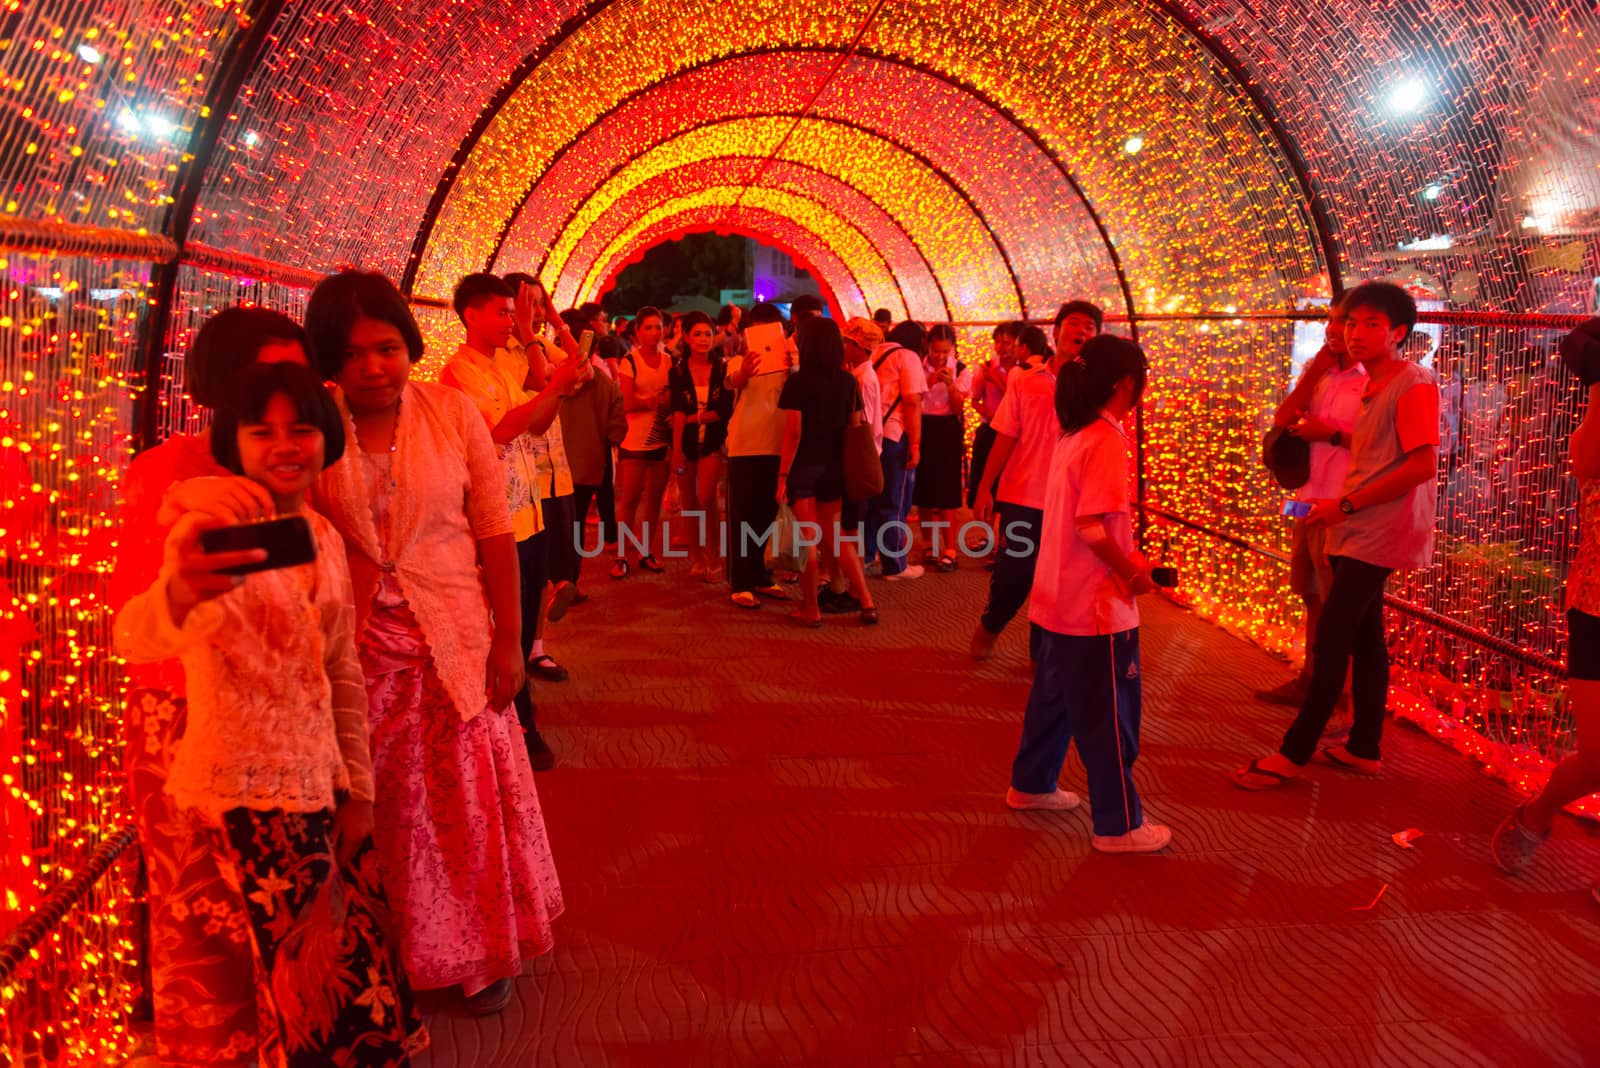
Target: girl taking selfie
{"points": [[275, 759]]}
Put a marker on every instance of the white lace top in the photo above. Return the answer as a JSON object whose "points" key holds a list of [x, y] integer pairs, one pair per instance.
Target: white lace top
{"points": [[450, 494], [277, 703]]}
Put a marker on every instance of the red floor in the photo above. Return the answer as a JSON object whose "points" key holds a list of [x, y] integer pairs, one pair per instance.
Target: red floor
{"points": [[788, 847]]}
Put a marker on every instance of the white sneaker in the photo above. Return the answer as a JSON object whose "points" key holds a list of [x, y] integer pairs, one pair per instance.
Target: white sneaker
{"points": [[1054, 801], [915, 571], [1146, 838]]}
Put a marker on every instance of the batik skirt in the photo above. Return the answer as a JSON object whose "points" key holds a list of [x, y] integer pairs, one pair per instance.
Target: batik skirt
{"points": [[327, 975], [202, 981]]}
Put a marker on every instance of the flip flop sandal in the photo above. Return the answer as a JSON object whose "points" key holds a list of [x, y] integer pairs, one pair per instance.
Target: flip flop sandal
{"points": [[745, 599], [806, 621], [947, 564], [773, 593], [650, 563], [1265, 778], [621, 569]]}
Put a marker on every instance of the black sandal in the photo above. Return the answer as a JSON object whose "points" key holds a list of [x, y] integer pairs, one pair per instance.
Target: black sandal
{"points": [[650, 563], [621, 569], [869, 617], [544, 667]]}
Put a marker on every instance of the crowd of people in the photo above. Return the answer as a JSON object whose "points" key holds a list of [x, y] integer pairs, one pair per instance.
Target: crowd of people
{"points": [[336, 784]]}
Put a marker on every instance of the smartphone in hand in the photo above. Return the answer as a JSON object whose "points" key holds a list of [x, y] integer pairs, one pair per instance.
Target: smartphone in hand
{"points": [[287, 541], [1298, 509], [1164, 577]]}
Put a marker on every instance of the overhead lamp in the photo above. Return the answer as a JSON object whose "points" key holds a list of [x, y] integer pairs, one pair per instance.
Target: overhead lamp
{"points": [[251, 139], [1133, 145], [1408, 96], [160, 125], [89, 54], [1432, 191]]}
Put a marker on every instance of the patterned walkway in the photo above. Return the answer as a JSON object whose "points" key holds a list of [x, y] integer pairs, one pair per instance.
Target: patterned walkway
{"points": [[787, 847]]}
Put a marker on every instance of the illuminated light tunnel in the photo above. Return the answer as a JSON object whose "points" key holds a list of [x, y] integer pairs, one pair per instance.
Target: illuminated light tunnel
{"points": [[1209, 173]]}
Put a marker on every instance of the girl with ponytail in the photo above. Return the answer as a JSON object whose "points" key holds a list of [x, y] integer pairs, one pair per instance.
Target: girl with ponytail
{"points": [[1085, 386], [1086, 685]]}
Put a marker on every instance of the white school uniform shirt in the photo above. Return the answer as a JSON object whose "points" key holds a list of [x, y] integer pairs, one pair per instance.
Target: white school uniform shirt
{"points": [[1074, 591], [871, 408], [937, 400], [1028, 414], [899, 374]]}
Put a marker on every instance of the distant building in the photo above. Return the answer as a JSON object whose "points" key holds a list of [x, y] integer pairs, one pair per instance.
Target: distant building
{"points": [[777, 278]]}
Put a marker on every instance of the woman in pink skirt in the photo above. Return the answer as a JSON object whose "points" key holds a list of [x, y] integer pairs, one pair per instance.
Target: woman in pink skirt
{"points": [[420, 499]]}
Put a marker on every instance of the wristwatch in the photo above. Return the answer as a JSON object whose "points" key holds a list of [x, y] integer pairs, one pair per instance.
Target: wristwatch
{"points": [[1347, 506], [1335, 439]]}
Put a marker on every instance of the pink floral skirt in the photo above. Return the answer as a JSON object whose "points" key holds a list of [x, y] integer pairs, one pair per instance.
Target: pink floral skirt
{"points": [[461, 841]]}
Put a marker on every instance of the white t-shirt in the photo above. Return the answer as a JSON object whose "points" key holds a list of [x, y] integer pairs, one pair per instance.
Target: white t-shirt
{"points": [[870, 406], [1074, 591], [1337, 402], [899, 374], [1028, 414], [936, 401]]}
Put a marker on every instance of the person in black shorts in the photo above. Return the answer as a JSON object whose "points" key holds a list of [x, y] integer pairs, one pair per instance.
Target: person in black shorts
{"points": [[819, 401]]}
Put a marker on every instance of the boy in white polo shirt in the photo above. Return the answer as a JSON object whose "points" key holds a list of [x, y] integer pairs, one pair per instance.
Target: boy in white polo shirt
{"points": [[1086, 685]]}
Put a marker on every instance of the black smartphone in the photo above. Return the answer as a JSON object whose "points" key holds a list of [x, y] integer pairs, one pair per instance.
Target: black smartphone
{"points": [[287, 540], [1165, 577]]}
